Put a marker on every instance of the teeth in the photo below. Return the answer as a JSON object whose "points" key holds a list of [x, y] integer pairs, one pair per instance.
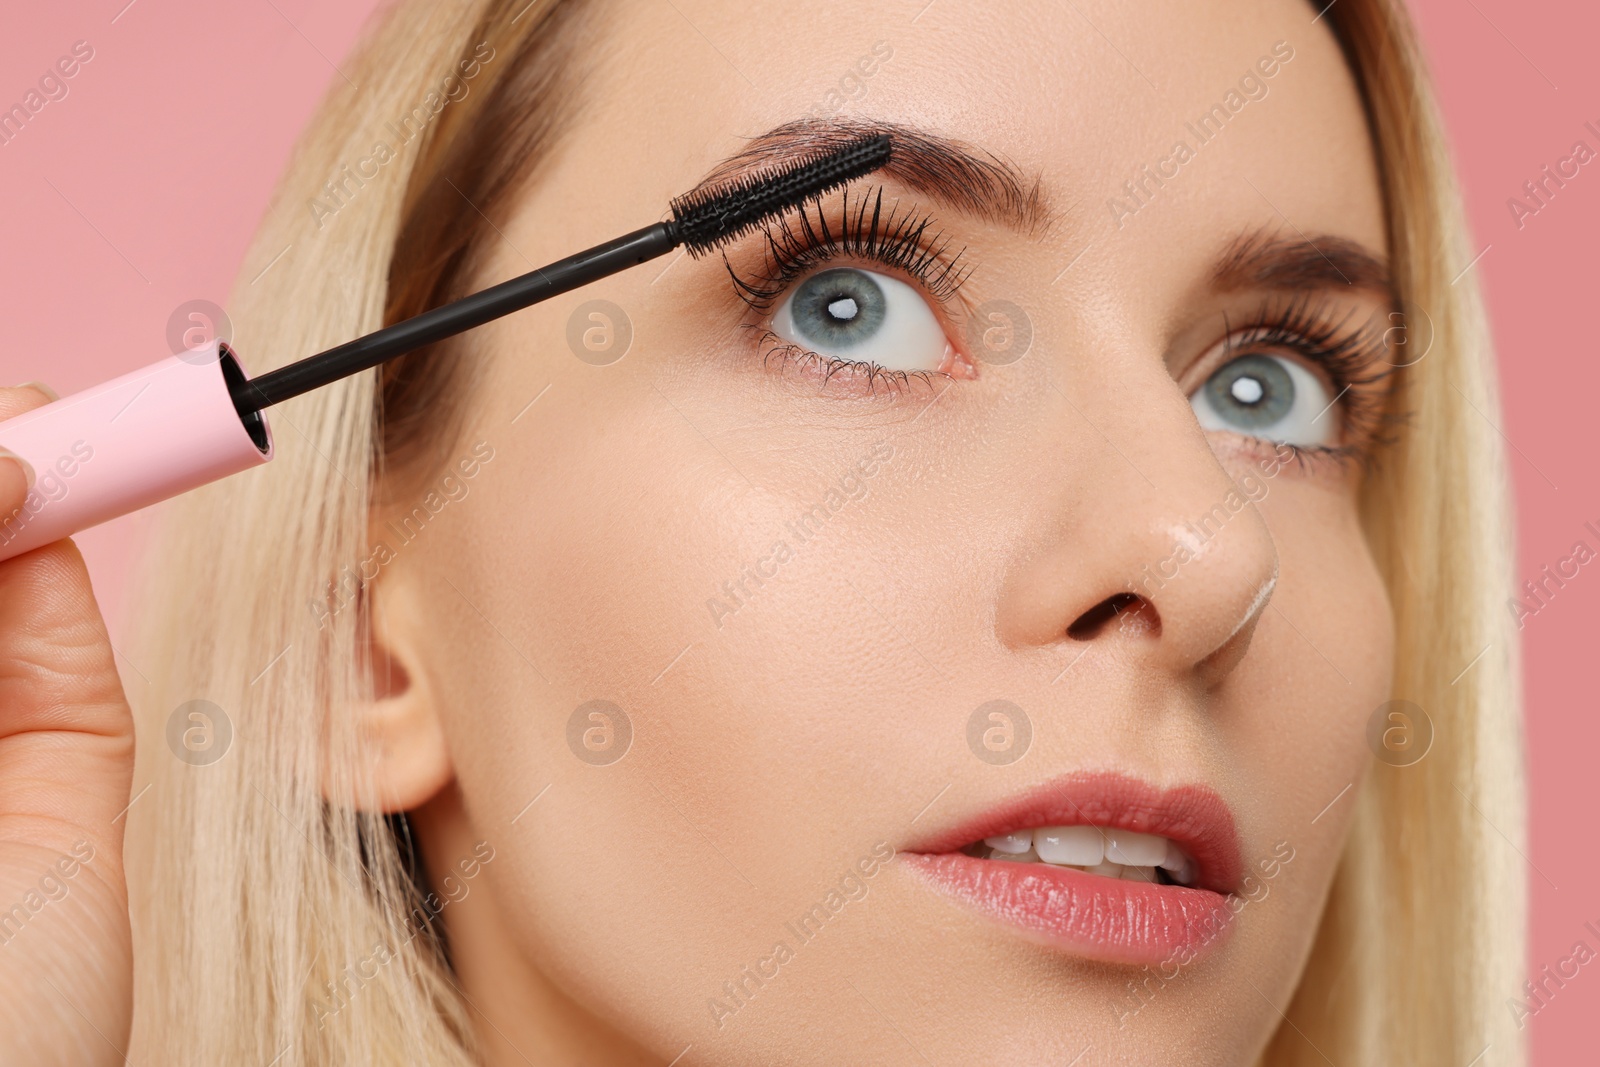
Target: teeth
{"points": [[1029, 856], [1078, 846], [1178, 865], [1011, 844], [1137, 850], [1109, 853]]}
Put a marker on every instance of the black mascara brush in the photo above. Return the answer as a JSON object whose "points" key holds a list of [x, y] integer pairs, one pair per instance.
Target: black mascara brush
{"points": [[195, 417]]}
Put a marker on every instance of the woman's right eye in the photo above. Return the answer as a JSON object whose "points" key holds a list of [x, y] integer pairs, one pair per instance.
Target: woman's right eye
{"points": [[1271, 397], [862, 316]]}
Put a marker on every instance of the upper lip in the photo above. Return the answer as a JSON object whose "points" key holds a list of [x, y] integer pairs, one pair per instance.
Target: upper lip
{"points": [[1192, 816]]}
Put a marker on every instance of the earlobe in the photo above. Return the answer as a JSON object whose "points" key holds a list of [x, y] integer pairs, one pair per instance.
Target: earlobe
{"points": [[398, 756]]}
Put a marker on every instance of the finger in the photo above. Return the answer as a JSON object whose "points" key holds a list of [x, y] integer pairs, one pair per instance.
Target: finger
{"points": [[25, 397], [16, 478], [66, 735], [16, 474]]}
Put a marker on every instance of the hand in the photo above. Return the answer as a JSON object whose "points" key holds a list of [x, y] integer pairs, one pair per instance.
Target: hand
{"points": [[66, 767]]}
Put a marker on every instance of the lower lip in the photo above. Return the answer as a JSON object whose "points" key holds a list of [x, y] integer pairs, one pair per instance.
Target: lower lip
{"points": [[1109, 919]]}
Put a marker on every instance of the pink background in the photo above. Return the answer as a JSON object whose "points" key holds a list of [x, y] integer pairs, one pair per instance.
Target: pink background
{"points": [[140, 189]]}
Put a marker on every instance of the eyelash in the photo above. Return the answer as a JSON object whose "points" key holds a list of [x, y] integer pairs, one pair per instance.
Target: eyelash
{"points": [[1350, 354], [1304, 324], [893, 240], [898, 241]]}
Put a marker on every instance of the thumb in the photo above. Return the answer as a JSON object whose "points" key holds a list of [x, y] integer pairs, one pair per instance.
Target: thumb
{"points": [[66, 733]]}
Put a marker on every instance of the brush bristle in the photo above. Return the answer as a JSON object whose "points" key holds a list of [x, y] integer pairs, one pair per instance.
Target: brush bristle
{"points": [[708, 218]]}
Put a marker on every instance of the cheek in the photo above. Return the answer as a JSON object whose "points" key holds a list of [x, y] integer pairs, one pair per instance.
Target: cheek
{"points": [[1320, 666], [589, 571], [1296, 711], [1323, 657]]}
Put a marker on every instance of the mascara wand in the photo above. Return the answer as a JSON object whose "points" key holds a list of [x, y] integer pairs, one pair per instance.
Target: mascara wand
{"points": [[195, 417], [703, 221]]}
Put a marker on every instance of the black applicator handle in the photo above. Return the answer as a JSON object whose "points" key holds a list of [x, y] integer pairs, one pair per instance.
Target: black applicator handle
{"points": [[559, 277]]}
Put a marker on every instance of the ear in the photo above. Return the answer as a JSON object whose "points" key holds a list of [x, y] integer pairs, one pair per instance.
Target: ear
{"points": [[400, 741]]}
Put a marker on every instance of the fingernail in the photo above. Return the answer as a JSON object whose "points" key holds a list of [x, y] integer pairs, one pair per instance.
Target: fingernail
{"points": [[43, 388], [27, 468]]}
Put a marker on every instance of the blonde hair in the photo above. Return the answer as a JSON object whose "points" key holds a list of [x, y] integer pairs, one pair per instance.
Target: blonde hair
{"points": [[273, 926], [1422, 938]]}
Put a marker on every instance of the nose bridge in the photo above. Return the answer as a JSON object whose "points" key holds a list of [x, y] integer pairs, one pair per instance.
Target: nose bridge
{"points": [[1141, 507]]}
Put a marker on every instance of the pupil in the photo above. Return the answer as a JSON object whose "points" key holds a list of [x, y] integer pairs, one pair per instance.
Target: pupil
{"points": [[843, 308], [1247, 390]]}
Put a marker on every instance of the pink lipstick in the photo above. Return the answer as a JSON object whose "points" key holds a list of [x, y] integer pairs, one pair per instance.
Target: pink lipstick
{"points": [[1099, 865]]}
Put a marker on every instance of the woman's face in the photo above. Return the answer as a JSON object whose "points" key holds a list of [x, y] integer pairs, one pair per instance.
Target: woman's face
{"points": [[1082, 551]]}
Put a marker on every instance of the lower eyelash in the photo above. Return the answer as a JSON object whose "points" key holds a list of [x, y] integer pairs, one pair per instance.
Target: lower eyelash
{"points": [[1345, 455], [873, 374]]}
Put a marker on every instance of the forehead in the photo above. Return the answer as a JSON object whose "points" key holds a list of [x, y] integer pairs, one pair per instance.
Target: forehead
{"points": [[1156, 127]]}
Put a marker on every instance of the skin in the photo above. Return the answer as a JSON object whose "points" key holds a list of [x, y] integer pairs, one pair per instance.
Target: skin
{"points": [[828, 714], [771, 752]]}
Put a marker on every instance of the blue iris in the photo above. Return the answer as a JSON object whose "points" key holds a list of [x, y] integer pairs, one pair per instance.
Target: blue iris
{"points": [[1251, 393], [838, 308]]}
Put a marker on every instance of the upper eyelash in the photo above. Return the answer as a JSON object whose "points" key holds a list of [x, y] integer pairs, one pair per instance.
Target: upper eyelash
{"points": [[892, 239], [1350, 354], [1303, 323]]}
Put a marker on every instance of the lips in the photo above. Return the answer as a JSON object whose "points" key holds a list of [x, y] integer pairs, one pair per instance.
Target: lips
{"points": [[1104, 909]]}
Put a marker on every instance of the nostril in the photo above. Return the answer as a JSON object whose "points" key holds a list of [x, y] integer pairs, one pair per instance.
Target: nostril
{"points": [[1130, 611]]}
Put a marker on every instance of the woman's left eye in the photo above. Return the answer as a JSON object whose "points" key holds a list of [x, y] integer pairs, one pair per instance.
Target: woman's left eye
{"points": [[1271, 397], [864, 317]]}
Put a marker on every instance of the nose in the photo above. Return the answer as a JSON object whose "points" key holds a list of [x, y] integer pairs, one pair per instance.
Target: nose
{"points": [[1144, 539]]}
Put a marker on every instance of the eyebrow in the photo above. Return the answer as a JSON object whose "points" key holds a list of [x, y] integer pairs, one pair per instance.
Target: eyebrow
{"points": [[961, 176], [1268, 259], [981, 184]]}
